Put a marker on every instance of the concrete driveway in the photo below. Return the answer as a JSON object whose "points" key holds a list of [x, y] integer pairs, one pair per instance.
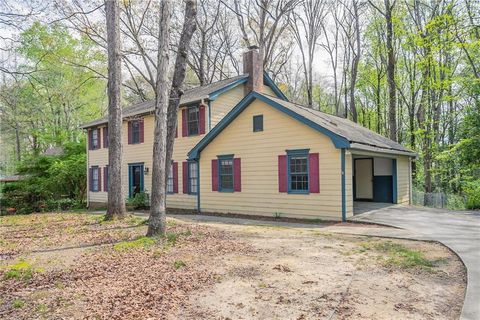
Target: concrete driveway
{"points": [[458, 230]]}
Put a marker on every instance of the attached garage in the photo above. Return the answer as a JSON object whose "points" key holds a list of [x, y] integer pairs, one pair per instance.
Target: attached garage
{"points": [[374, 179]]}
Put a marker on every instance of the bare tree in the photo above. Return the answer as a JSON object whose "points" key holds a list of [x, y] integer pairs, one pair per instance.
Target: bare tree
{"points": [[157, 220], [166, 108], [392, 94], [179, 75], [307, 27], [116, 202], [265, 23]]}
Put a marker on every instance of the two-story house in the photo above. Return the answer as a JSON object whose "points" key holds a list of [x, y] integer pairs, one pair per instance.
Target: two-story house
{"points": [[242, 147]]}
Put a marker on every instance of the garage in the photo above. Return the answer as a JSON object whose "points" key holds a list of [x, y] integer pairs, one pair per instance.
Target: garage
{"points": [[374, 179]]}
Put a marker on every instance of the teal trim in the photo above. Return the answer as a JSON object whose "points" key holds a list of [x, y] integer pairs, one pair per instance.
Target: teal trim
{"points": [[269, 82], [214, 95], [344, 198], [298, 152], [198, 186], [219, 167], [194, 153], [291, 153], [130, 177], [394, 181]]}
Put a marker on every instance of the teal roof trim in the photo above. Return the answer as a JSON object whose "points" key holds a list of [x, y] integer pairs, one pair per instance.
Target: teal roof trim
{"points": [[269, 82], [337, 140], [214, 95]]}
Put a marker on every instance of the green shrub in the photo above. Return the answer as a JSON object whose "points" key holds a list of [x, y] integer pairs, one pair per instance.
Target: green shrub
{"points": [[140, 201], [472, 191], [455, 202]]}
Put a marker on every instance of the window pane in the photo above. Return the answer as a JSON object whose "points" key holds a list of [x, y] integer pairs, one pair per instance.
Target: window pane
{"points": [[258, 123], [192, 177], [95, 138], [298, 173], [170, 179], [227, 182], [192, 119], [135, 131], [226, 174]]}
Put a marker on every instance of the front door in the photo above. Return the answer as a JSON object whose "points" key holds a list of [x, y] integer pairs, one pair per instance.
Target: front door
{"points": [[364, 179], [135, 177]]}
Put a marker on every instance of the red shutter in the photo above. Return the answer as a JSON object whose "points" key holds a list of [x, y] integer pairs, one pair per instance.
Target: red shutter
{"points": [[184, 123], [141, 122], [313, 173], [129, 132], [99, 172], [175, 177], [105, 179], [237, 175], [201, 119], [105, 137], [215, 175], [282, 173], [185, 176], [90, 179], [90, 138]]}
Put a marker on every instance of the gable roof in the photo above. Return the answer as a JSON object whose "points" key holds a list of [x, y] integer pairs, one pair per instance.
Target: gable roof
{"points": [[207, 92], [343, 132], [190, 96]]}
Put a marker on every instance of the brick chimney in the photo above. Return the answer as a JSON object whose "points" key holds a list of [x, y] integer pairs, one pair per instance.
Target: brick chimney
{"points": [[253, 65]]}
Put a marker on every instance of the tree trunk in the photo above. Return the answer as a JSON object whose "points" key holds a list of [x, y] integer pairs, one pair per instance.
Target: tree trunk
{"points": [[179, 75], [116, 202], [392, 116], [17, 141], [157, 220]]}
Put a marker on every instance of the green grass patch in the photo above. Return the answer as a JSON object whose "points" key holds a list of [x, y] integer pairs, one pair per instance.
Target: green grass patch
{"points": [[22, 270], [18, 303], [142, 242], [179, 264], [398, 255]]}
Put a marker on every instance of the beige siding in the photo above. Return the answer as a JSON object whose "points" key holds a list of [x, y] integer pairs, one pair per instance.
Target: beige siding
{"points": [[142, 153], [259, 157], [225, 102], [403, 180], [349, 183]]}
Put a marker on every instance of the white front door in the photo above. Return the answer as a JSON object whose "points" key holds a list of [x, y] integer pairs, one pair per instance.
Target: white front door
{"points": [[364, 179]]}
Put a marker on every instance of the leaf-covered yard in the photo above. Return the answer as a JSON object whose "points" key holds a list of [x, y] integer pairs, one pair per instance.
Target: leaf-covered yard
{"points": [[78, 266]]}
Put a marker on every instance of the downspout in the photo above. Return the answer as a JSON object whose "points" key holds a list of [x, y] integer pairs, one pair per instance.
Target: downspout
{"points": [[344, 204], [88, 174], [198, 185], [410, 191]]}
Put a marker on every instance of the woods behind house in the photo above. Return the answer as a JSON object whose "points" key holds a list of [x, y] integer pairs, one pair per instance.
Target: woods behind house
{"points": [[407, 69]]}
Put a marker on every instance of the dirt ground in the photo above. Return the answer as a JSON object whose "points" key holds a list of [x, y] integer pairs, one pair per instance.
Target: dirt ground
{"points": [[76, 266]]}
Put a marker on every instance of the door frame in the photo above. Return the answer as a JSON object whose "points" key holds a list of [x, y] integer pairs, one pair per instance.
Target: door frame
{"points": [[130, 177], [355, 179]]}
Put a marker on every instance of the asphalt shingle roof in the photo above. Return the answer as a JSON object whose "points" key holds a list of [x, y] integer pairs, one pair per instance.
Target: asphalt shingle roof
{"points": [[191, 95], [356, 134]]}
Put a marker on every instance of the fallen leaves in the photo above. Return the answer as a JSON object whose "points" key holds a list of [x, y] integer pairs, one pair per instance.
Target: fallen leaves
{"points": [[140, 279]]}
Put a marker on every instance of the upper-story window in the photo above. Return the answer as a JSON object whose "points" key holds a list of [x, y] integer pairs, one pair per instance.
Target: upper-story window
{"points": [[135, 131], [192, 120], [258, 123], [94, 139]]}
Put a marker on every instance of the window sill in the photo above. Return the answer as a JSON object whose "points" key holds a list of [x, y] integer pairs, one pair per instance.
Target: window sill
{"points": [[227, 190], [299, 192]]}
